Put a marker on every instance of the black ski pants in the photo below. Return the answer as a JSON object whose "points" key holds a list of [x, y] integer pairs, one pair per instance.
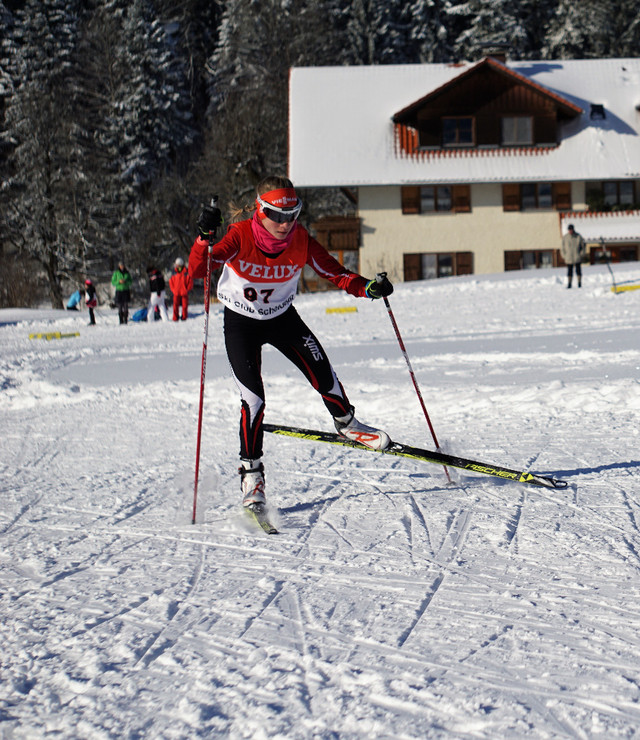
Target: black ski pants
{"points": [[122, 302], [244, 338]]}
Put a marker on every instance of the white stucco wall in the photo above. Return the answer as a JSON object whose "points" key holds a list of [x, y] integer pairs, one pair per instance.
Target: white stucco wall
{"points": [[487, 230]]}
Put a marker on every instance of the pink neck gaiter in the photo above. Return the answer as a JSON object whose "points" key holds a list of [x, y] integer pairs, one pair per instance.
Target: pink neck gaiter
{"points": [[265, 241]]}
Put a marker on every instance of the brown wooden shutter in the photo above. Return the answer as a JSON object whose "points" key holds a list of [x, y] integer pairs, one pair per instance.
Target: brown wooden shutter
{"points": [[464, 263], [511, 196], [337, 232], [562, 196], [461, 198], [411, 199], [512, 260], [412, 268]]}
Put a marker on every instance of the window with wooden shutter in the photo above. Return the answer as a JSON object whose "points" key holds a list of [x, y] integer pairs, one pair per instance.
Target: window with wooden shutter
{"points": [[410, 199], [562, 196], [512, 260], [432, 265], [436, 198], [464, 263], [458, 131], [517, 130], [511, 196], [461, 197], [527, 259], [411, 266]]}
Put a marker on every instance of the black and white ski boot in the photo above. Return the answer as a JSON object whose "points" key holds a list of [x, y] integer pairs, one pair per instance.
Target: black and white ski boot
{"points": [[252, 484]]}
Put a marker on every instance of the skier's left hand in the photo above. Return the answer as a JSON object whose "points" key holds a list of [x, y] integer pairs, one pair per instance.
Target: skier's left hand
{"points": [[380, 289]]}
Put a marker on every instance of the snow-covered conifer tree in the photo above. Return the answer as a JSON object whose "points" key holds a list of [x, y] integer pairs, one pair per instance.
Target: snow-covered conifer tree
{"points": [[135, 118], [489, 23], [582, 30], [37, 130], [429, 31]]}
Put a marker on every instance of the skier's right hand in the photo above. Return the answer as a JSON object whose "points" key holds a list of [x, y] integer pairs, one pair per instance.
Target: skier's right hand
{"points": [[208, 221]]}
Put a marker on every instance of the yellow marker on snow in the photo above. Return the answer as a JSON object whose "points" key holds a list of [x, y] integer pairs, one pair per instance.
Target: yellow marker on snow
{"points": [[345, 309], [54, 335], [623, 288]]}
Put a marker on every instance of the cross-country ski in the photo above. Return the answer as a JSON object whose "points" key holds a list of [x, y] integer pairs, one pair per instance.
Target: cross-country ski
{"points": [[402, 450], [258, 514]]}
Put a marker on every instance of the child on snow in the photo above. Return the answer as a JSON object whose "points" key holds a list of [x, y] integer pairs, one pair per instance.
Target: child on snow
{"points": [[91, 300], [180, 284], [156, 300]]}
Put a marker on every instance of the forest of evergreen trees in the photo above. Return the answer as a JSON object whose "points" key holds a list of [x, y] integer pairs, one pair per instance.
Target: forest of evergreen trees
{"points": [[120, 118]]}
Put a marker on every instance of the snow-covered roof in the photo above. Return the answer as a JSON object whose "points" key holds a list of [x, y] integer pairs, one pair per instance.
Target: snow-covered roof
{"points": [[341, 131], [616, 226]]}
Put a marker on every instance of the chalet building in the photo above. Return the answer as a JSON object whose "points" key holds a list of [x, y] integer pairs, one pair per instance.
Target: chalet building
{"points": [[471, 168]]}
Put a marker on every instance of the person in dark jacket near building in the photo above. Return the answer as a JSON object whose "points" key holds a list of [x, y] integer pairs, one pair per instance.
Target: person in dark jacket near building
{"points": [[573, 250], [122, 281], [157, 298], [91, 299], [180, 284]]}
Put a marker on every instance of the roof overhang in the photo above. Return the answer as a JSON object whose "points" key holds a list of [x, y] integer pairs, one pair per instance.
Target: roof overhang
{"points": [[597, 226]]}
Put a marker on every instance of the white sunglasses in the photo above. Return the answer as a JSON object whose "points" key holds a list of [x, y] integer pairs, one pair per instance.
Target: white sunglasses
{"points": [[278, 214]]}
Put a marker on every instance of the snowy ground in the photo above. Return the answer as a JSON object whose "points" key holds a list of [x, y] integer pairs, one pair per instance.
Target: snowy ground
{"points": [[391, 605]]}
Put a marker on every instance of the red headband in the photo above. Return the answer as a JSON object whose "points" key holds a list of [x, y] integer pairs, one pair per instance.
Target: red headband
{"points": [[281, 198]]}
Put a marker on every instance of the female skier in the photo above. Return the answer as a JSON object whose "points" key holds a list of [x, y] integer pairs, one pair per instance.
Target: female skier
{"points": [[261, 259]]}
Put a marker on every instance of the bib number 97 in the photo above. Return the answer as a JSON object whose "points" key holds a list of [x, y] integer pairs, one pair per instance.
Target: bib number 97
{"points": [[251, 294]]}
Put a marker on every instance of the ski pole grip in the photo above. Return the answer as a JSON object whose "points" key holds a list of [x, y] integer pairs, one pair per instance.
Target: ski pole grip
{"points": [[380, 277], [213, 234]]}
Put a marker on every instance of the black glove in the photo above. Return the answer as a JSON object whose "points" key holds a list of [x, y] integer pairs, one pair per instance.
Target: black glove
{"points": [[208, 221], [380, 289]]}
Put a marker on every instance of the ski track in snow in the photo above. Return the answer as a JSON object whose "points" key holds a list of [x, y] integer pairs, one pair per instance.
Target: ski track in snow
{"points": [[392, 604]]}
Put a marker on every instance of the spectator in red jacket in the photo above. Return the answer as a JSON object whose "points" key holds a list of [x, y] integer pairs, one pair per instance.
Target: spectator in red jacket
{"points": [[180, 284]]}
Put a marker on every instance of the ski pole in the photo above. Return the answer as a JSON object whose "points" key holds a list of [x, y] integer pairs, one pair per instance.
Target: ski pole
{"points": [[605, 256], [203, 368], [379, 278]]}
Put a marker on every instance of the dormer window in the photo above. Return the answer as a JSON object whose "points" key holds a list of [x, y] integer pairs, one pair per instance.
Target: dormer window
{"points": [[458, 131], [488, 106], [517, 130]]}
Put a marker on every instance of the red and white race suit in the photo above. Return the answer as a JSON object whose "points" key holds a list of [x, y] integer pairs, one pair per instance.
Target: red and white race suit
{"points": [[263, 286]]}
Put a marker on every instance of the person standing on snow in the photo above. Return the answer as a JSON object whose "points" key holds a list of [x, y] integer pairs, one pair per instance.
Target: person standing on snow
{"points": [[157, 297], [122, 281], [180, 284], [573, 250], [261, 259], [91, 299]]}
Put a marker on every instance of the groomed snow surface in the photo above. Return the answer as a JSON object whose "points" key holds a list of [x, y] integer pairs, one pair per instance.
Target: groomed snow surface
{"points": [[391, 605]]}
